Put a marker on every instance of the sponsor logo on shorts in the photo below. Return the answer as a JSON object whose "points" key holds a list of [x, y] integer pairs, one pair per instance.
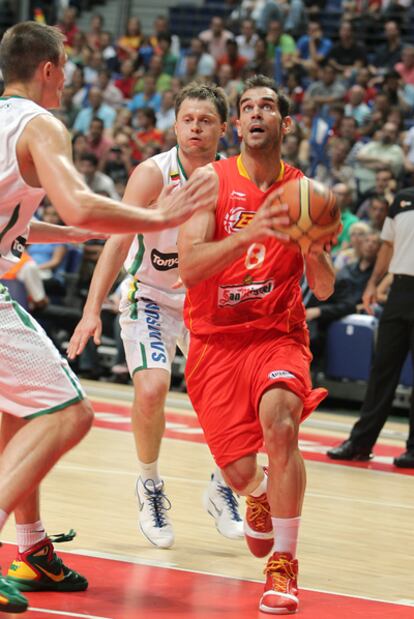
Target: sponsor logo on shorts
{"points": [[237, 219], [280, 374], [163, 262], [232, 295], [152, 318]]}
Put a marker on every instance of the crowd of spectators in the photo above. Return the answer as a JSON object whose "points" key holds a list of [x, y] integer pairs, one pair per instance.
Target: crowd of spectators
{"points": [[352, 106]]}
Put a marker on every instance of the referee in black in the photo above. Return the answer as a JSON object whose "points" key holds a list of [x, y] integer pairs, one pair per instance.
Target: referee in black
{"points": [[395, 334]]}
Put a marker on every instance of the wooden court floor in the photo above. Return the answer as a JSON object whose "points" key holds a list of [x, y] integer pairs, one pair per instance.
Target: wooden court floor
{"points": [[357, 528]]}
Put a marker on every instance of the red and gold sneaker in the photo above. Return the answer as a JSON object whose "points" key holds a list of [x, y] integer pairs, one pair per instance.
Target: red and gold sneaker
{"points": [[280, 596], [40, 569], [258, 529]]}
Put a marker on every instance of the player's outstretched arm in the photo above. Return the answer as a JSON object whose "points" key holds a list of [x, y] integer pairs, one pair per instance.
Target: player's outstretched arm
{"points": [[143, 187], [43, 232], [49, 146], [199, 257]]}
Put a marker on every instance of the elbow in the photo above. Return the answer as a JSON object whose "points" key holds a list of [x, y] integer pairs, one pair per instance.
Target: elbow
{"points": [[323, 293], [79, 212], [187, 277]]}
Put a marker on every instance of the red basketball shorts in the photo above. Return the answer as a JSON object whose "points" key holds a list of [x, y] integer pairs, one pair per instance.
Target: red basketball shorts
{"points": [[227, 375]]}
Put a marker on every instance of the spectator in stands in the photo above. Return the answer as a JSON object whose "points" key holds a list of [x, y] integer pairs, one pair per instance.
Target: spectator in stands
{"points": [[68, 26], [395, 336], [96, 141], [356, 106], [337, 171], [93, 36], [129, 44], [376, 154], [406, 67], [147, 132], [350, 283], [216, 37], [190, 69], [149, 97], [358, 231], [365, 79], [281, 47], [260, 63], [312, 48], [168, 59], [377, 212], [126, 83], [316, 133], [68, 109], [75, 51], [79, 147], [163, 81], [123, 122], [166, 114], [27, 272], [97, 181], [108, 51], [247, 39], [291, 151], [329, 89], [230, 86], [206, 64], [385, 186], [345, 202], [81, 90], [388, 54], [290, 13], [93, 63], [111, 95], [347, 54], [162, 25], [233, 59], [95, 107], [118, 163], [397, 93]]}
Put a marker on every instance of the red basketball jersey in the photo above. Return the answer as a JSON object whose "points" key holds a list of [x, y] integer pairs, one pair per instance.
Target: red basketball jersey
{"points": [[259, 290]]}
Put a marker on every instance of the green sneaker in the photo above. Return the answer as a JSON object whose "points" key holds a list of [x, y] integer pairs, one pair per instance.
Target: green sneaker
{"points": [[11, 601], [40, 569]]}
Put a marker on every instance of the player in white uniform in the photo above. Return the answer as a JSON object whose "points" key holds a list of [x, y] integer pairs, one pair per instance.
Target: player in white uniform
{"points": [[151, 306], [45, 412]]}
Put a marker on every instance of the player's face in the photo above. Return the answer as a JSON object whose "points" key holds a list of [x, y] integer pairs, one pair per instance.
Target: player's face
{"points": [[198, 127], [55, 79], [260, 124]]}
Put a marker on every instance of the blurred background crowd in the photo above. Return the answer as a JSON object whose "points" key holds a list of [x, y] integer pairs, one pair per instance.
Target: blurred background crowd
{"points": [[347, 65]]}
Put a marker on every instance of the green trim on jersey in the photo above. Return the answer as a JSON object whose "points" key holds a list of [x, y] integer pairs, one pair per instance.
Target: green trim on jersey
{"points": [[24, 316], [4, 291], [14, 217], [74, 382], [4, 98], [139, 256], [180, 165], [55, 409], [144, 365]]}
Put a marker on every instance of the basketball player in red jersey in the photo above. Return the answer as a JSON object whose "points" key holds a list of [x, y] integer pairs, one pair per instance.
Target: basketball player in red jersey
{"points": [[248, 366]]}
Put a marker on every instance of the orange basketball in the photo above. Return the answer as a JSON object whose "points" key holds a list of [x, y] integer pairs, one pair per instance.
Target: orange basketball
{"points": [[313, 212]]}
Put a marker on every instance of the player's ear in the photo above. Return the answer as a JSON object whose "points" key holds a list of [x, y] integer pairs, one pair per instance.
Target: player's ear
{"points": [[287, 123], [223, 129]]}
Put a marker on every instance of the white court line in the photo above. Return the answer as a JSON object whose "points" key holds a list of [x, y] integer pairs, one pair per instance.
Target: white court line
{"points": [[64, 613], [203, 482]]}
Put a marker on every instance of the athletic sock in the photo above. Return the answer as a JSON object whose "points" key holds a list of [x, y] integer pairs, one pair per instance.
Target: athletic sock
{"points": [[28, 535], [261, 488], [286, 531], [149, 470]]}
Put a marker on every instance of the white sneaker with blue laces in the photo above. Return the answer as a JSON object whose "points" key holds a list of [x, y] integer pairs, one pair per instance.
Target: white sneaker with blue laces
{"points": [[220, 502], [153, 505]]}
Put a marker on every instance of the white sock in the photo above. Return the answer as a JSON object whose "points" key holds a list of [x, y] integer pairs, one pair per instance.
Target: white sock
{"points": [[286, 531], [149, 470], [217, 476], [29, 534], [3, 517], [261, 488]]}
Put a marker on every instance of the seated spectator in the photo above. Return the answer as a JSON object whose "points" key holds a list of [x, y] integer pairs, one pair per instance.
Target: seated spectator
{"points": [[380, 109], [118, 163], [280, 43], [93, 36], [312, 48], [123, 122], [365, 79], [388, 54], [294, 90], [290, 13], [358, 232], [108, 51], [397, 93], [385, 186], [168, 59], [93, 63], [96, 141], [327, 90], [337, 171], [81, 90], [111, 95], [163, 81], [162, 25], [377, 212], [406, 67], [190, 68], [126, 83], [247, 39], [230, 86], [206, 64], [345, 202], [350, 283], [79, 147], [166, 114], [27, 272], [233, 59], [356, 106], [216, 37], [376, 154], [316, 133], [76, 50], [291, 151], [149, 97], [68, 109], [97, 181], [129, 44], [147, 132], [67, 25], [260, 63], [95, 108], [347, 54]]}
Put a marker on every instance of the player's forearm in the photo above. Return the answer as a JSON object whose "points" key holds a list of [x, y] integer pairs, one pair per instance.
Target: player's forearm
{"points": [[382, 263], [320, 274], [42, 232], [205, 259], [106, 271]]}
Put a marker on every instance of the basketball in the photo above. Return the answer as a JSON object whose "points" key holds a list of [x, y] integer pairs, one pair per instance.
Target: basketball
{"points": [[313, 212]]}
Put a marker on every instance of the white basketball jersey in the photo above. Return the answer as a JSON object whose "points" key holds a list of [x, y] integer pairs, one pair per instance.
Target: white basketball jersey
{"points": [[18, 201], [152, 260]]}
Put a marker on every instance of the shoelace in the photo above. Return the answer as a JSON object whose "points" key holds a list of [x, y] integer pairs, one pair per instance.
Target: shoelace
{"points": [[231, 502], [259, 511], [281, 571], [158, 502]]}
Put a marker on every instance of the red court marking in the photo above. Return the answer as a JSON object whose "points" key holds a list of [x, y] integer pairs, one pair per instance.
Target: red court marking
{"points": [[121, 590], [187, 428]]}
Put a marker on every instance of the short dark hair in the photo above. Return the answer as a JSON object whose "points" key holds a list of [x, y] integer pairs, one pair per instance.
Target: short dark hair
{"points": [[25, 46], [91, 157], [96, 119], [204, 92], [262, 81], [149, 113]]}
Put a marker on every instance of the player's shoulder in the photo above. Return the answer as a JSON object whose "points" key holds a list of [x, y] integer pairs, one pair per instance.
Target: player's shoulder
{"points": [[290, 173], [224, 165]]}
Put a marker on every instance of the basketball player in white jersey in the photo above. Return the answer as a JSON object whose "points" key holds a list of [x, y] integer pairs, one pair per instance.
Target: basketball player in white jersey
{"points": [[152, 305], [45, 412]]}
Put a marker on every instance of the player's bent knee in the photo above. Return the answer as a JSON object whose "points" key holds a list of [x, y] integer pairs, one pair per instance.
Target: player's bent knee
{"points": [[280, 436], [239, 475], [80, 418]]}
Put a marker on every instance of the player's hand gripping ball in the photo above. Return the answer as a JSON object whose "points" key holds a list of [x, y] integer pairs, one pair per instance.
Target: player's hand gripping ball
{"points": [[314, 215]]}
